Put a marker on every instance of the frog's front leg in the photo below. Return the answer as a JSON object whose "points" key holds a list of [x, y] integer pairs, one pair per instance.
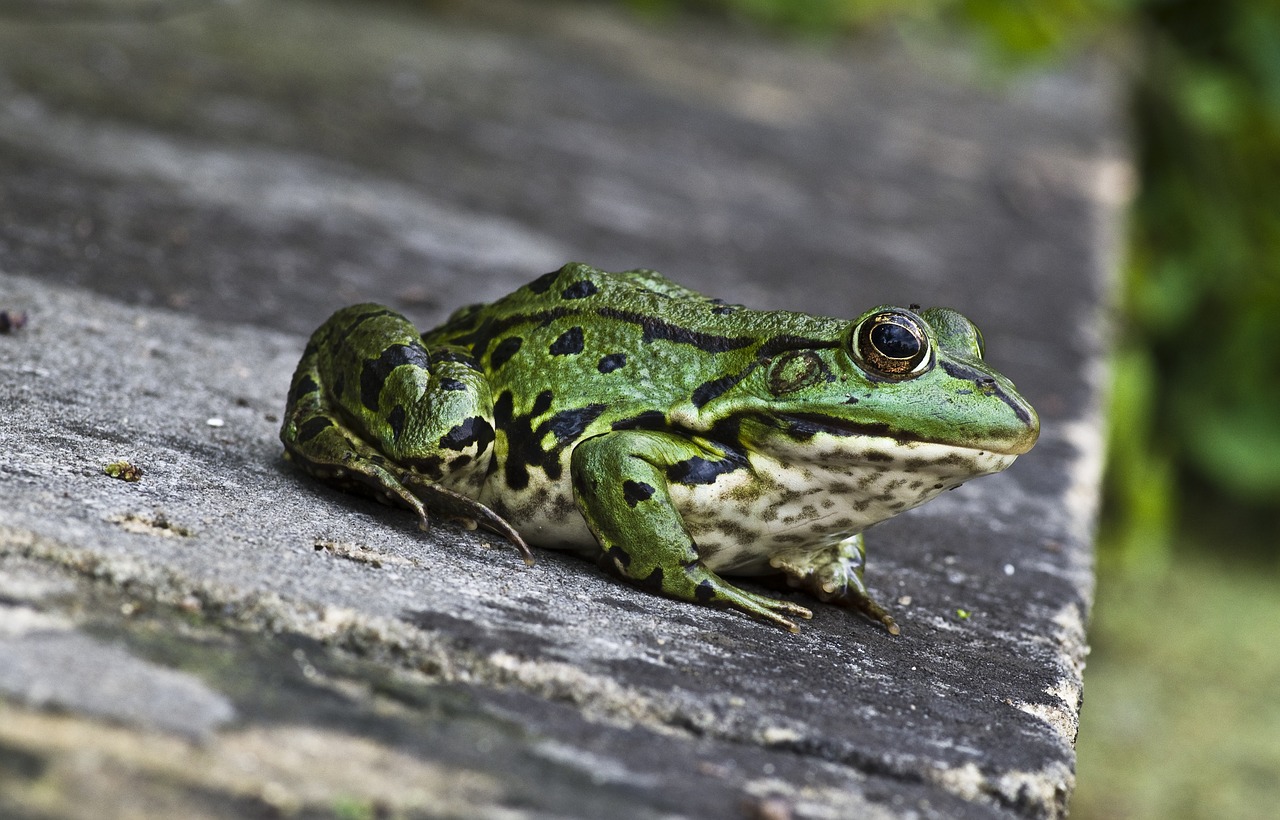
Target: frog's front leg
{"points": [[834, 575], [620, 485], [371, 406]]}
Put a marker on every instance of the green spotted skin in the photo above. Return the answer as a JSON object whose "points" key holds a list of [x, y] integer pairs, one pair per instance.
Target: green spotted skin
{"points": [[673, 437]]}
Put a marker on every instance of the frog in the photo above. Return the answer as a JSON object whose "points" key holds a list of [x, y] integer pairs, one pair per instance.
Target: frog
{"points": [[677, 439]]}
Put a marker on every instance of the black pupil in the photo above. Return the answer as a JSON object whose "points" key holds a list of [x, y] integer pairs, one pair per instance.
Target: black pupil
{"points": [[894, 341]]}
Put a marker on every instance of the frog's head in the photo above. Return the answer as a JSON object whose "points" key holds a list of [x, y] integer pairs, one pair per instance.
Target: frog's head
{"points": [[899, 385]]}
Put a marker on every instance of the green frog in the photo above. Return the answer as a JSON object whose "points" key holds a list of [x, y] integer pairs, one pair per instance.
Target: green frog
{"points": [[675, 438]]}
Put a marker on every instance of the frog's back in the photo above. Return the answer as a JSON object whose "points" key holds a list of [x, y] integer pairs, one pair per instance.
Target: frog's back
{"points": [[580, 352], [612, 346]]}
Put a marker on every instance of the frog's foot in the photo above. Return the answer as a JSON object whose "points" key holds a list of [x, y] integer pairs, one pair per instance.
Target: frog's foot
{"points": [[420, 494], [705, 587], [834, 575], [456, 505], [697, 584], [330, 453]]}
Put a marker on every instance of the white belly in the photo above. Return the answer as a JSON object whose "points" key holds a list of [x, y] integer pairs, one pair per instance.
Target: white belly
{"points": [[809, 498], [747, 516]]}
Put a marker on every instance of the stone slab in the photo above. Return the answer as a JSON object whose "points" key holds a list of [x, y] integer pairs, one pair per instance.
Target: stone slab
{"points": [[183, 201]]}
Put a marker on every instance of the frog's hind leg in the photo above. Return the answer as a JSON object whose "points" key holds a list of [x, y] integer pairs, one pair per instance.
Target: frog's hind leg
{"points": [[322, 448], [330, 428], [620, 484]]}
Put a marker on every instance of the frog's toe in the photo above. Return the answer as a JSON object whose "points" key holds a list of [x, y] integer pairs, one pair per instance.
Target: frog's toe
{"points": [[773, 610], [387, 487], [867, 606], [461, 507], [857, 597]]}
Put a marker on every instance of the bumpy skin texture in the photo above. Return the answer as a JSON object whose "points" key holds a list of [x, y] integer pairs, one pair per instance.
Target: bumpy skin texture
{"points": [[672, 436]]}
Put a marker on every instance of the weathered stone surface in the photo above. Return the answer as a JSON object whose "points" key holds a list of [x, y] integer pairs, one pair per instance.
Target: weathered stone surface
{"points": [[182, 201]]}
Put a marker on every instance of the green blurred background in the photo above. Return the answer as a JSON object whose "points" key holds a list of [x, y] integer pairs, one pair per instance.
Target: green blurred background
{"points": [[1182, 690]]}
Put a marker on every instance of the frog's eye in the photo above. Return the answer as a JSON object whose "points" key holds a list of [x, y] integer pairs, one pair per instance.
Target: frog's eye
{"points": [[893, 344]]}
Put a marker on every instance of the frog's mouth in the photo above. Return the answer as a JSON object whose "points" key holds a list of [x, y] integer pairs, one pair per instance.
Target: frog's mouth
{"points": [[804, 426]]}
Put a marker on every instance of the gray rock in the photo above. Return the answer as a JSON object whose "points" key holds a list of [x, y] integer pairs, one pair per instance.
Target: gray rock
{"points": [[76, 673], [181, 203]]}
